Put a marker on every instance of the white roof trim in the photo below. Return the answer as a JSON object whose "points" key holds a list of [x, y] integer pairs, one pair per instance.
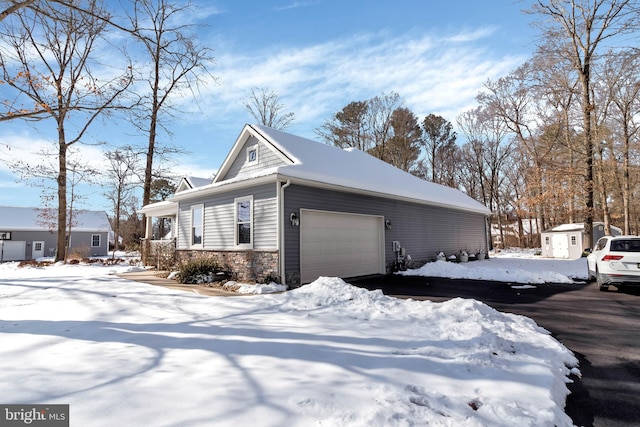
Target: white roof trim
{"points": [[158, 209], [236, 150]]}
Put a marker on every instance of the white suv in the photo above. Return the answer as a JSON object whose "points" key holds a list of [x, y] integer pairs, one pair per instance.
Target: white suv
{"points": [[615, 261]]}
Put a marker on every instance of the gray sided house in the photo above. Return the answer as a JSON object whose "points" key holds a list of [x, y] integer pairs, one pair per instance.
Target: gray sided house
{"points": [[569, 241], [27, 234], [288, 207]]}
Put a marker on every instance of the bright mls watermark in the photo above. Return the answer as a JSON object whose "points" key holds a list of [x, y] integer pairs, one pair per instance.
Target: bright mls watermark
{"points": [[34, 415]]}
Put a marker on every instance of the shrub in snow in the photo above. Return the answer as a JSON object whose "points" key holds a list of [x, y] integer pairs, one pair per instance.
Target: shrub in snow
{"points": [[198, 271]]}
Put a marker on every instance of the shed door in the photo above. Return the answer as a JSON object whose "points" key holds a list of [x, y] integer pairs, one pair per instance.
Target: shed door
{"points": [[12, 250], [340, 245], [560, 244]]}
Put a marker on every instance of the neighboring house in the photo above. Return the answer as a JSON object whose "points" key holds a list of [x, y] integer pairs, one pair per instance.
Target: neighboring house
{"points": [[288, 207], [569, 241], [28, 235]]}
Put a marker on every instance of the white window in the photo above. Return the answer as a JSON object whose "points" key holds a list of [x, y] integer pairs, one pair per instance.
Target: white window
{"points": [[197, 225], [95, 240], [244, 222], [574, 242], [252, 154], [546, 240]]}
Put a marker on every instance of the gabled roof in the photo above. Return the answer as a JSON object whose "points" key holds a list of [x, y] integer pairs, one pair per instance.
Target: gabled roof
{"points": [[14, 218], [352, 170], [190, 182]]}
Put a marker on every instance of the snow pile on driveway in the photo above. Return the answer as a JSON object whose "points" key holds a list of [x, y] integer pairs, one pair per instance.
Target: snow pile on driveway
{"points": [[509, 267], [126, 353]]}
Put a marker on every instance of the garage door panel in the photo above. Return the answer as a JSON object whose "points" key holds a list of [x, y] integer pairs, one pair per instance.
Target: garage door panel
{"points": [[13, 250], [337, 244]]}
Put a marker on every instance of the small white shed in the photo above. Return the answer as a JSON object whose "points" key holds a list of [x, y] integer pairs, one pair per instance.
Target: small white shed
{"points": [[568, 241]]}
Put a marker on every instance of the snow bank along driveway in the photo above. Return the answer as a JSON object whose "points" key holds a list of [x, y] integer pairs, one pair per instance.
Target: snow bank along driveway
{"points": [[327, 354]]}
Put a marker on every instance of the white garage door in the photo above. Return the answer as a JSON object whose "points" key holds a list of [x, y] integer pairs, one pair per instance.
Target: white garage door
{"points": [[340, 245], [13, 250]]}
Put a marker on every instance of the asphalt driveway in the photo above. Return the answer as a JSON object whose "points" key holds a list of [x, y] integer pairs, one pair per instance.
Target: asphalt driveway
{"points": [[601, 328]]}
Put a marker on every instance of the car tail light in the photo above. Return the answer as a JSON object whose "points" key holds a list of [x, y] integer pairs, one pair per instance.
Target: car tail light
{"points": [[612, 258]]}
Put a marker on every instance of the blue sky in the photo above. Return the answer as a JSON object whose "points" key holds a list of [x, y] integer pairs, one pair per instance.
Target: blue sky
{"points": [[317, 55]]}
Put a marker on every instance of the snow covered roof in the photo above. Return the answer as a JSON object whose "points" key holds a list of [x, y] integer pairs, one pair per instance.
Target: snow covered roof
{"points": [[14, 218], [569, 227], [189, 182], [351, 169], [577, 227]]}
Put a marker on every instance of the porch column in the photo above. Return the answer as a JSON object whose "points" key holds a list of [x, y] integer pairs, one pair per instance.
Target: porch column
{"points": [[148, 227], [145, 244]]}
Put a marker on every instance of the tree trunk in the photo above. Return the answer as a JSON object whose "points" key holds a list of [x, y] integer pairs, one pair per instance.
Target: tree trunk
{"points": [[626, 190], [606, 215], [587, 109], [61, 248]]}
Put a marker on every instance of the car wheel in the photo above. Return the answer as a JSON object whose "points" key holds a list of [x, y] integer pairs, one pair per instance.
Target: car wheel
{"points": [[600, 280]]}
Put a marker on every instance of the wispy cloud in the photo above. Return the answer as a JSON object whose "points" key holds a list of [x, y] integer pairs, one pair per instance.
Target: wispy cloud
{"points": [[472, 35], [439, 73], [296, 4]]}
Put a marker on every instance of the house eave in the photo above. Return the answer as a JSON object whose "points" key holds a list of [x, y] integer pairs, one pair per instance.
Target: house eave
{"points": [[224, 186], [279, 176], [160, 209], [353, 190]]}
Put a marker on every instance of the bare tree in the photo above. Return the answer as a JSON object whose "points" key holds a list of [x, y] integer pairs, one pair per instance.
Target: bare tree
{"points": [[121, 177], [555, 84], [78, 173], [50, 63], [264, 105], [620, 74], [514, 100], [14, 6], [8, 7], [40, 172], [487, 153], [379, 113], [176, 64], [573, 31]]}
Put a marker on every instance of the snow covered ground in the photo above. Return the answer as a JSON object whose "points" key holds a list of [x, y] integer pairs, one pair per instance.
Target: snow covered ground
{"points": [[327, 354], [514, 266]]}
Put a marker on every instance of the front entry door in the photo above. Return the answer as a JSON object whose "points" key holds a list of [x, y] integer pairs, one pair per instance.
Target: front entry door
{"points": [[37, 250]]}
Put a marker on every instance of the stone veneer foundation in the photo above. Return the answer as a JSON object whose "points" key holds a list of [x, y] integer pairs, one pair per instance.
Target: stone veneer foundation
{"points": [[250, 266]]}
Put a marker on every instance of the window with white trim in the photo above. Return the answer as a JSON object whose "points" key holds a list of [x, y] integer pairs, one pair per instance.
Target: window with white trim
{"points": [[197, 221], [574, 241], [547, 240], [95, 240], [252, 154], [244, 221]]}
